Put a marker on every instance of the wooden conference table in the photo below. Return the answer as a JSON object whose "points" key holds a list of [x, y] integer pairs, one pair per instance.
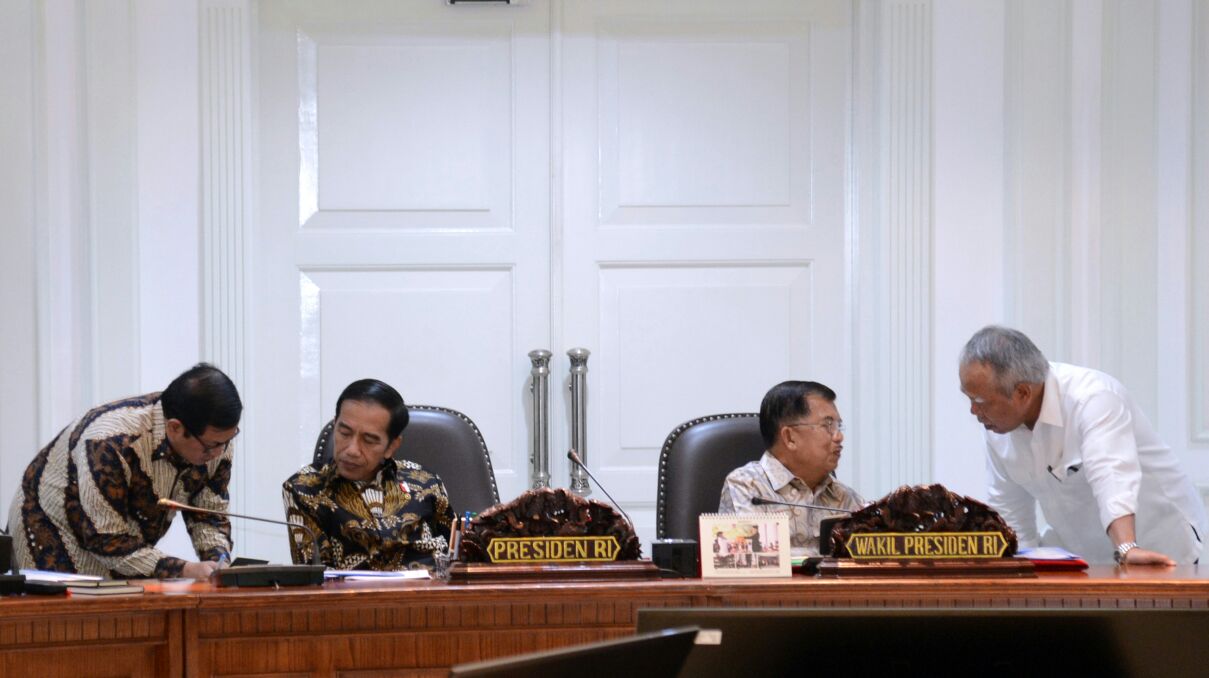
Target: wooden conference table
{"points": [[422, 628]]}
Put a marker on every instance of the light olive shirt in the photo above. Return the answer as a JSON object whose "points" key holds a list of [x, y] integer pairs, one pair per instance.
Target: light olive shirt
{"points": [[768, 478]]}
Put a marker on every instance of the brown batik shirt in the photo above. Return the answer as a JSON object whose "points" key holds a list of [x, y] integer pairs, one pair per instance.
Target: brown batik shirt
{"points": [[87, 502], [768, 478]]}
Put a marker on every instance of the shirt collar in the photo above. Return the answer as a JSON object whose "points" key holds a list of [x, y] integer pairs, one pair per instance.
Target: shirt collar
{"points": [[780, 477], [163, 449], [384, 475], [1051, 402]]}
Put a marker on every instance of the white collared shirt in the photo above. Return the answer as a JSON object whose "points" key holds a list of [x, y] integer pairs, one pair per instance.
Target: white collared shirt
{"points": [[1091, 458]]}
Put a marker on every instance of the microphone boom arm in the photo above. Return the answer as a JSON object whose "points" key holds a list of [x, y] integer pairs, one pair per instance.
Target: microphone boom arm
{"points": [[578, 462], [197, 509], [761, 501]]}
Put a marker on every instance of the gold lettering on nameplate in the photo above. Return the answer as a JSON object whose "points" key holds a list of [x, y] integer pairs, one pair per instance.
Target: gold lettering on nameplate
{"points": [[553, 549], [926, 545]]}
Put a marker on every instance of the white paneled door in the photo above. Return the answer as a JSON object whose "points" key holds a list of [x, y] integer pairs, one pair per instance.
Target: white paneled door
{"points": [[442, 189], [703, 231]]}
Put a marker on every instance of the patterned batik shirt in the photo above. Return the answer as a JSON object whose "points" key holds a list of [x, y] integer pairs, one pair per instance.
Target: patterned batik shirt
{"points": [[768, 478], [395, 521], [87, 502]]}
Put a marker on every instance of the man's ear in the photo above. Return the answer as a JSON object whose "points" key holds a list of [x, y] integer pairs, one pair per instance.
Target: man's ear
{"points": [[786, 437], [175, 427], [394, 445], [1024, 391]]}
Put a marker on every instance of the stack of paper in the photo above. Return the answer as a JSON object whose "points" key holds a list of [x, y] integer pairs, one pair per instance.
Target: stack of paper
{"points": [[353, 575], [83, 584], [1052, 558], [104, 587], [65, 577]]}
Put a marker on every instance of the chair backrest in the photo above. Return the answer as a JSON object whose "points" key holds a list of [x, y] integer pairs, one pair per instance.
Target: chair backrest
{"points": [[447, 443], [695, 460]]}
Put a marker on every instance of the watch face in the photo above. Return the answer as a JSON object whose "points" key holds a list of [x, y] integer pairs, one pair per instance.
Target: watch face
{"points": [[1122, 550]]}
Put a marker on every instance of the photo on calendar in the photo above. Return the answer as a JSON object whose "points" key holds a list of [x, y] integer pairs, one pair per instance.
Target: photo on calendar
{"points": [[744, 545]]}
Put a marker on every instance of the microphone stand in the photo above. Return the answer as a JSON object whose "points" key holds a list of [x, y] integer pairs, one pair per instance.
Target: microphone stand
{"points": [[576, 460], [761, 501], [261, 575], [825, 524]]}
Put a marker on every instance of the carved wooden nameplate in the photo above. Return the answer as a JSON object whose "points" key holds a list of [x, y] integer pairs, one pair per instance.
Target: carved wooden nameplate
{"points": [[924, 531], [925, 545], [550, 535]]}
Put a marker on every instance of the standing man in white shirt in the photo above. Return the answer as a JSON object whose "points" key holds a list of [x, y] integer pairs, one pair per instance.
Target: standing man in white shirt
{"points": [[1071, 439]]}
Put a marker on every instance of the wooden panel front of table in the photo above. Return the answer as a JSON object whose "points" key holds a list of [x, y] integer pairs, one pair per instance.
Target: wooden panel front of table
{"points": [[422, 628]]}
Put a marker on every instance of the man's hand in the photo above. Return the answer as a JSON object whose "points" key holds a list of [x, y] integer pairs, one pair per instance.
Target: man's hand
{"points": [[200, 570], [1140, 556], [1121, 531]]}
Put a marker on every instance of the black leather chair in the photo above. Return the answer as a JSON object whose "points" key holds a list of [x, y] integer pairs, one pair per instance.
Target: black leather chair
{"points": [[445, 442], [695, 460]]}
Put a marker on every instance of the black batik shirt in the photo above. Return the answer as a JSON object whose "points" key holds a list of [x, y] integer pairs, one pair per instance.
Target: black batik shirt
{"points": [[394, 521]]}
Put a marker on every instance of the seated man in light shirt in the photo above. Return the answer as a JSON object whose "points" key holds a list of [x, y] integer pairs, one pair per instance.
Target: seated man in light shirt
{"points": [[1072, 439], [804, 436]]}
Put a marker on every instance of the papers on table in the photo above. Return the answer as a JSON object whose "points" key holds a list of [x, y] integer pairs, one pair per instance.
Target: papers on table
{"points": [[1047, 553], [1053, 559], [353, 575], [43, 575]]}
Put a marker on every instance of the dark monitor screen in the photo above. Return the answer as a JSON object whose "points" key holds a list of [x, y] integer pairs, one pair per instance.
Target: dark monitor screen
{"points": [[975, 642], [658, 653]]}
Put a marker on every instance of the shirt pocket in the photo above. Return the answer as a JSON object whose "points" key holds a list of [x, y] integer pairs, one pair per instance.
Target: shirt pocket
{"points": [[1069, 480]]}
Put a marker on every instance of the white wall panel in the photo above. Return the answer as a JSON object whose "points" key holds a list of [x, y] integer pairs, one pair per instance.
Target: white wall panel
{"points": [[64, 270], [672, 335], [701, 124], [1198, 278], [110, 96], [968, 265], [415, 125], [224, 70], [895, 244], [1037, 147], [384, 324], [20, 437], [1128, 293]]}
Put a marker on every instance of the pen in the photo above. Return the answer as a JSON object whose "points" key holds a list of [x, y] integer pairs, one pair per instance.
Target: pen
{"points": [[456, 541]]}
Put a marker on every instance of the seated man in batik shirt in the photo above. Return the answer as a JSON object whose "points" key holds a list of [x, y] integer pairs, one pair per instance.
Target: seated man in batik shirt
{"points": [[368, 510], [804, 436]]}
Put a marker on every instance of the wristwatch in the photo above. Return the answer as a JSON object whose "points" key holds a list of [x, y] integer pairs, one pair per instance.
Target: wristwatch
{"points": [[1123, 549]]}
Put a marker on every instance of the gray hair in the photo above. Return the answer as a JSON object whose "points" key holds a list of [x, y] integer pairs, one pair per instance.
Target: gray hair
{"points": [[1012, 355]]}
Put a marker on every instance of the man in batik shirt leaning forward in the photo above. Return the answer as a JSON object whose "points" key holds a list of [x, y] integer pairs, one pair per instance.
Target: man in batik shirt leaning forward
{"points": [[88, 501]]}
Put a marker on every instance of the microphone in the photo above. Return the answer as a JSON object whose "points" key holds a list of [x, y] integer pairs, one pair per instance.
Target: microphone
{"points": [[575, 459], [261, 575], [760, 501], [824, 525]]}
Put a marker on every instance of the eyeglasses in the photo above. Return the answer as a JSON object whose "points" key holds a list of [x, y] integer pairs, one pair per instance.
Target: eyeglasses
{"points": [[210, 447], [831, 425]]}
